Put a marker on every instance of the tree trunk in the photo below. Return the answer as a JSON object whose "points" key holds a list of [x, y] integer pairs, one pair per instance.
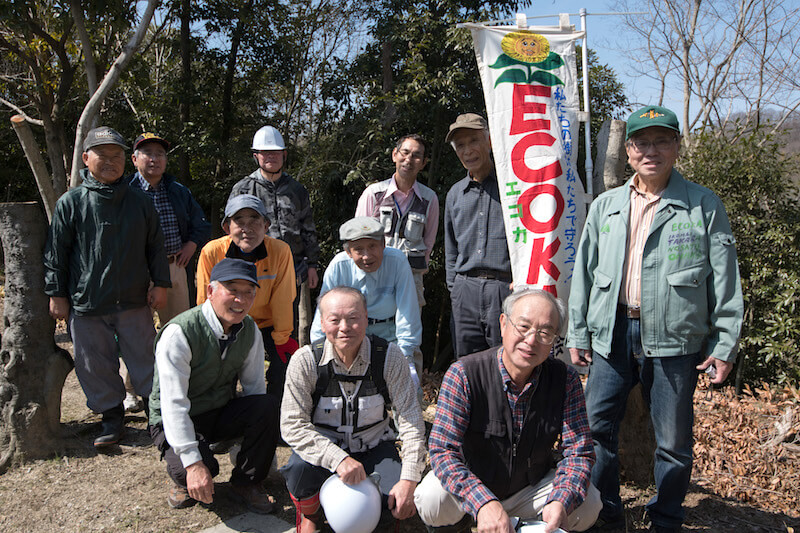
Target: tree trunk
{"points": [[33, 368], [186, 87], [609, 168], [637, 442]]}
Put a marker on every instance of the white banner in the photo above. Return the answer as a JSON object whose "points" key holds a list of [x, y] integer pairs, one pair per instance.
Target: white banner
{"points": [[530, 84]]}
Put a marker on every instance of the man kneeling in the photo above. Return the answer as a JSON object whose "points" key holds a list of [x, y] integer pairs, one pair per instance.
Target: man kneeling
{"points": [[499, 414], [199, 356], [335, 415]]}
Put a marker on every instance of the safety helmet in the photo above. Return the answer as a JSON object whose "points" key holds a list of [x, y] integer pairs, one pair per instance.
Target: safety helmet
{"points": [[351, 508], [268, 138]]}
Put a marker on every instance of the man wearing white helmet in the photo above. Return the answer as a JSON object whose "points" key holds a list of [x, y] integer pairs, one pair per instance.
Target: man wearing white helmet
{"points": [[288, 207]]}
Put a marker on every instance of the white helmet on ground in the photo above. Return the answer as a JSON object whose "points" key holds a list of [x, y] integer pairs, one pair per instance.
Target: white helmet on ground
{"points": [[268, 138], [351, 508]]}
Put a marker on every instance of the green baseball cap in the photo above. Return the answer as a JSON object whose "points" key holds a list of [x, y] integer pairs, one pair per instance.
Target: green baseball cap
{"points": [[650, 116]]}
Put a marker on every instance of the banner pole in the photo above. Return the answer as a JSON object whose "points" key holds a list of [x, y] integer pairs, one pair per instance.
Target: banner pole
{"points": [[587, 125]]}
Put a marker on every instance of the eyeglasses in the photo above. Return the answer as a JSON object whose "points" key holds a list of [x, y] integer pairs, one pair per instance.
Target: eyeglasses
{"points": [[545, 336], [643, 145]]}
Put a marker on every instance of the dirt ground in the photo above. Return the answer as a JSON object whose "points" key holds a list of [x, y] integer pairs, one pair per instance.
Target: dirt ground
{"points": [[125, 490]]}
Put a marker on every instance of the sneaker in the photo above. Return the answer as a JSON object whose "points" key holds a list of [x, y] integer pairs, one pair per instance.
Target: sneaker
{"points": [[112, 427], [178, 497], [132, 403], [252, 498]]}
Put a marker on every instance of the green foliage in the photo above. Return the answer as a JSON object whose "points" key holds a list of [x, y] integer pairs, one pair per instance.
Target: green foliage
{"points": [[751, 176]]}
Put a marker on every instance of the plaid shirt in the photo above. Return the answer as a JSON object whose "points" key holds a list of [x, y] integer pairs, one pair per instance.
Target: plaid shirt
{"points": [[474, 231], [452, 419], [166, 215]]}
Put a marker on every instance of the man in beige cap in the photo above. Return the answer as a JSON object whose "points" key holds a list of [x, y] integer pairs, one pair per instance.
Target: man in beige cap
{"points": [[383, 276], [478, 268]]}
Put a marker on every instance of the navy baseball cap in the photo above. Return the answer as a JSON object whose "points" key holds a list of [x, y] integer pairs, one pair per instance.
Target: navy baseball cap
{"points": [[230, 269]]}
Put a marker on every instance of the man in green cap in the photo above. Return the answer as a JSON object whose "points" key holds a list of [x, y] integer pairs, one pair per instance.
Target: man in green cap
{"points": [[655, 299]]}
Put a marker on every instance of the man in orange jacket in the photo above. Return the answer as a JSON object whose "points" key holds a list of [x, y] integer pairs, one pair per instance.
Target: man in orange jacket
{"points": [[246, 223]]}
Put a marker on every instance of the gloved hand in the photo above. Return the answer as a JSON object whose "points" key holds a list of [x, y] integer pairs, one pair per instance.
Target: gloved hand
{"points": [[287, 349]]}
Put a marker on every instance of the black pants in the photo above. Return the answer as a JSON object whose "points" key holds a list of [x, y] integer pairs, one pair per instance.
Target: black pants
{"points": [[255, 418], [276, 373], [477, 304]]}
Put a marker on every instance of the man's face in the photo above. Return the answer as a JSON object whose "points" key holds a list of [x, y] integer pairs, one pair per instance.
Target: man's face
{"points": [[247, 229], [344, 321], [530, 314], [106, 162], [366, 253], [150, 159], [409, 159], [270, 161], [473, 149], [231, 300], [652, 152]]}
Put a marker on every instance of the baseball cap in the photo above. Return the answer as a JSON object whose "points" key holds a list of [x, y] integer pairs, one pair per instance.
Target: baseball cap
{"points": [[470, 121], [361, 228], [103, 135], [148, 137], [230, 269], [650, 116], [244, 201]]}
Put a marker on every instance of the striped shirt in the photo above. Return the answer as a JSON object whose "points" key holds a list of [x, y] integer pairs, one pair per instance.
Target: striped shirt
{"points": [[643, 209], [573, 470]]}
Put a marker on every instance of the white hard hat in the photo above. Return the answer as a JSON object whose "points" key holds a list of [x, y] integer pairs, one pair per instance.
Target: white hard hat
{"points": [[351, 508], [268, 138]]}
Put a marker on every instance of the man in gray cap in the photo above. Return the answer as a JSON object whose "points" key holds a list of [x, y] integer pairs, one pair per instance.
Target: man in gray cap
{"points": [[104, 248], [384, 277], [246, 223], [200, 355], [477, 265]]}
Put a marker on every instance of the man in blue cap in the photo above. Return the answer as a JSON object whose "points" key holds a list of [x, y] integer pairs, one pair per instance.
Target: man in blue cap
{"points": [[199, 356], [655, 299]]}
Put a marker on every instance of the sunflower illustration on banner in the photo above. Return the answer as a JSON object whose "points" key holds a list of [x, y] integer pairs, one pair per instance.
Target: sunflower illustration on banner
{"points": [[529, 79]]}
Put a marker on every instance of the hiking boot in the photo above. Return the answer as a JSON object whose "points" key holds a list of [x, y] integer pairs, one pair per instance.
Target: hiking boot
{"points": [[132, 403], [252, 498], [112, 427], [178, 497]]}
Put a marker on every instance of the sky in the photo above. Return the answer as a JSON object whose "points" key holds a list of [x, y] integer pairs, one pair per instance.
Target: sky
{"points": [[602, 31]]}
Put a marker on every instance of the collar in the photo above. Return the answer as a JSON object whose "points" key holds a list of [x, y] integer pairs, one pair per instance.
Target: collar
{"points": [[676, 193], [145, 185], [259, 253], [468, 182], [216, 327], [329, 354], [635, 185], [393, 187]]}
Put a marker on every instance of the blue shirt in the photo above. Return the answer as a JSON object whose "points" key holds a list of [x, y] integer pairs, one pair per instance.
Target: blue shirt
{"points": [[390, 292], [474, 231]]}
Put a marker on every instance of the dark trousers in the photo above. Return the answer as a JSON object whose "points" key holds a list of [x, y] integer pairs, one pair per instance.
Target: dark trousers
{"points": [[304, 479], [477, 304], [276, 373], [255, 418]]}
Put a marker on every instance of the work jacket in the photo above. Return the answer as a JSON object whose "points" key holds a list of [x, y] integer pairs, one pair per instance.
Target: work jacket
{"points": [[691, 296]]}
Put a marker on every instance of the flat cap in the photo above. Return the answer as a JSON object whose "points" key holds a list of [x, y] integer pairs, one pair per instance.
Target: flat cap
{"points": [[470, 121], [650, 116], [244, 201], [103, 135], [230, 269], [361, 228]]}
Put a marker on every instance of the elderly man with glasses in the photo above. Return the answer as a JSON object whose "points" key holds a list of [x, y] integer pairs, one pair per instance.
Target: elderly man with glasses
{"points": [[655, 299], [499, 415]]}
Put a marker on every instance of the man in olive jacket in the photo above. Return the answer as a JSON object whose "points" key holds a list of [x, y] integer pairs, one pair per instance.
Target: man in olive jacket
{"points": [[105, 246]]}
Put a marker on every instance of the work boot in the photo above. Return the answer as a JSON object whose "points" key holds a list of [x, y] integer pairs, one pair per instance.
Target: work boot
{"points": [[178, 497], [252, 498], [112, 428]]}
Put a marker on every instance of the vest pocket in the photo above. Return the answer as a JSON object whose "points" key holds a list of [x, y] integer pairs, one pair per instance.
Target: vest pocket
{"points": [[386, 217], [687, 301], [370, 410], [600, 307], [415, 225], [329, 411]]}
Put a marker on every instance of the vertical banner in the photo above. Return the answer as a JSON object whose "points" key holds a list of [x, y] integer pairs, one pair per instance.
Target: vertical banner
{"points": [[530, 85]]}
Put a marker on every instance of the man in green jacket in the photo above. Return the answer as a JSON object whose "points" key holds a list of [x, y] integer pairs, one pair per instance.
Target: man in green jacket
{"points": [[105, 246], [655, 299]]}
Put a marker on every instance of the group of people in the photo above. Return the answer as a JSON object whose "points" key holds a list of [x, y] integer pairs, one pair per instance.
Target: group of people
{"points": [[655, 300]]}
